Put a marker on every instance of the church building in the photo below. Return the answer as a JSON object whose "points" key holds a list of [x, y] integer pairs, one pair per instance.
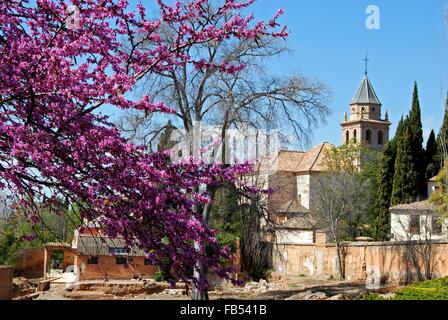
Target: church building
{"points": [[365, 123]]}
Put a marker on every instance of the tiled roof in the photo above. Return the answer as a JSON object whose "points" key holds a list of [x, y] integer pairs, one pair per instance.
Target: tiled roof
{"points": [[365, 93], [99, 246], [309, 161], [292, 206], [304, 222], [415, 206]]}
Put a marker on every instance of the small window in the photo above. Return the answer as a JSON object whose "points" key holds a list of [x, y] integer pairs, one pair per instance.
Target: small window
{"points": [[121, 260], [368, 136], [436, 228], [355, 136], [347, 137], [117, 250], [92, 260], [380, 138], [414, 225], [373, 109]]}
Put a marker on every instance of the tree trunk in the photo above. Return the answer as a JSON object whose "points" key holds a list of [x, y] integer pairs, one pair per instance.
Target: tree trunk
{"points": [[196, 292], [339, 260]]}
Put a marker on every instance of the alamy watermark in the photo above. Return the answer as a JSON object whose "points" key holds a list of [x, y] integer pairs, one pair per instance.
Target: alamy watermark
{"points": [[373, 20], [211, 144]]}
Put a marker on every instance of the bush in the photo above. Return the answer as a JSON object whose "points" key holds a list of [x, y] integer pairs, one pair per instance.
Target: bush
{"points": [[426, 290], [371, 296]]}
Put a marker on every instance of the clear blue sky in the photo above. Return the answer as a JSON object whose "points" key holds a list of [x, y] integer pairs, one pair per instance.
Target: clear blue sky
{"points": [[330, 41]]}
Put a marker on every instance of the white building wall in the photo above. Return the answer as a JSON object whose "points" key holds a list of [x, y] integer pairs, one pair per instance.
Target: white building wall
{"points": [[400, 228], [303, 189]]}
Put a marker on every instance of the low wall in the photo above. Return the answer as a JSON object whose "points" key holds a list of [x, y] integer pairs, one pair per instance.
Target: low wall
{"points": [[374, 262], [5, 282]]}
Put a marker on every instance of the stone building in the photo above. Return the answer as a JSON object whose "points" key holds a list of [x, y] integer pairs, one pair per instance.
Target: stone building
{"points": [[293, 181], [365, 123]]}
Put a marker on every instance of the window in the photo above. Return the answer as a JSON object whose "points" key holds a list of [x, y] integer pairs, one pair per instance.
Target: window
{"points": [[373, 109], [436, 228], [380, 138], [121, 260], [414, 224], [147, 262], [117, 250], [347, 137], [368, 136], [354, 135], [92, 260]]}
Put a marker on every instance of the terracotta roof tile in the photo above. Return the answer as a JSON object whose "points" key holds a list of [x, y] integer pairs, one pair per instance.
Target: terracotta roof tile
{"points": [[421, 205]]}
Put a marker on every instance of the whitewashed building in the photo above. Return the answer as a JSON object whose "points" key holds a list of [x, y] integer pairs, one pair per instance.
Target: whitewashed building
{"points": [[418, 220]]}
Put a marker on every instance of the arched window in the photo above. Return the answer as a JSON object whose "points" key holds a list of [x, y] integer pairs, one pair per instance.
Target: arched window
{"points": [[354, 136], [368, 136], [347, 137], [380, 138]]}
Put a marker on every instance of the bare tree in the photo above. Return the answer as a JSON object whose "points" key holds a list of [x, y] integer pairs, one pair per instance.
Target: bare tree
{"points": [[339, 199], [249, 97], [419, 231]]}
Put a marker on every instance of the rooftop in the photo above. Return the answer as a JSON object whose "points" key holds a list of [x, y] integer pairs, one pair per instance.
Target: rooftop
{"points": [[365, 94], [415, 206], [309, 161]]}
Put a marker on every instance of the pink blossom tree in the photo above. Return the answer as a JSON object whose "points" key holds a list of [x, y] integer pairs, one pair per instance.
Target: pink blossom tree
{"points": [[61, 64]]}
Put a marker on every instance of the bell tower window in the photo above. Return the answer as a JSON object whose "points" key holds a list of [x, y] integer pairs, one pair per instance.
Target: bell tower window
{"points": [[380, 138], [354, 136], [368, 136]]}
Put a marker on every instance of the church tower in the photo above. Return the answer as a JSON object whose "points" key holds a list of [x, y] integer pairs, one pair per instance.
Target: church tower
{"points": [[365, 123]]}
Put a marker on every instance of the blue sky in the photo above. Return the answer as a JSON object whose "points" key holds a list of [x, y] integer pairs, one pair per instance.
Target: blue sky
{"points": [[330, 41]]}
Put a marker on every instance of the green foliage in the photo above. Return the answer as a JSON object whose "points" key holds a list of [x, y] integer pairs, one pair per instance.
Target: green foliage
{"points": [[159, 275], [363, 163], [416, 142], [372, 296], [436, 289], [385, 186], [439, 198], [442, 137], [226, 213], [432, 164], [405, 184], [427, 290], [52, 228]]}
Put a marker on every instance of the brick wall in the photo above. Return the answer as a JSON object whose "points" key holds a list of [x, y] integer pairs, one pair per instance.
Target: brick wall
{"points": [[107, 267]]}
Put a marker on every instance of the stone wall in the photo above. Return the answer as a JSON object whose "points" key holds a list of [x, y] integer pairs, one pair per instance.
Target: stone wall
{"points": [[373, 262], [5, 282]]}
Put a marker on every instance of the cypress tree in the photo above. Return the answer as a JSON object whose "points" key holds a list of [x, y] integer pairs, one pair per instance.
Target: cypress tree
{"points": [[414, 124], [405, 182], [382, 223], [442, 138], [432, 167]]}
